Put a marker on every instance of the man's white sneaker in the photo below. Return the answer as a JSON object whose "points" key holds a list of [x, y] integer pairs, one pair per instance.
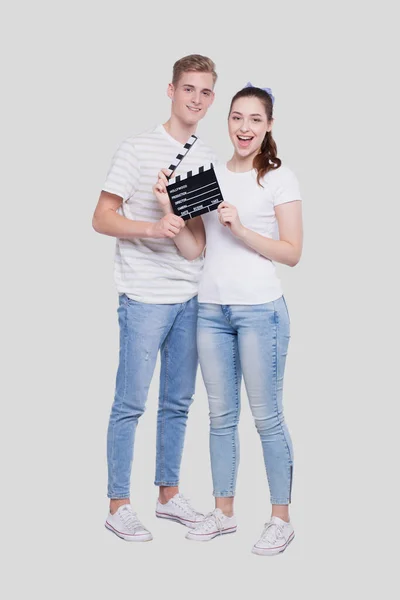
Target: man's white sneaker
{"points": [[275, 538], [215, 523], [178, 509], [125, 524]]}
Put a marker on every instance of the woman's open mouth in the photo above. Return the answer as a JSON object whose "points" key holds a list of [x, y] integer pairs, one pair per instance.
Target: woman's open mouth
{"points": [[244, 140]]}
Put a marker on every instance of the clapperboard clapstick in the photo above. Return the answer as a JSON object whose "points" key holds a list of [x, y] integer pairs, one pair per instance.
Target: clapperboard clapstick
{"points": [[179, 158], [195, 193]]}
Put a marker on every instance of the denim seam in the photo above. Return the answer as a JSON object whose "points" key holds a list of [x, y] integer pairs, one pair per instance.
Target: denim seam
{"points": [[235, 432], [274, 359], [162, 428], [124, 358], [117, 496], [166, 483], [280, 501], [276, 319]]}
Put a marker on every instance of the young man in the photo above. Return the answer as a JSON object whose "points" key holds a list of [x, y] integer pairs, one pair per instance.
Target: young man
{"points": [[158, 297]]}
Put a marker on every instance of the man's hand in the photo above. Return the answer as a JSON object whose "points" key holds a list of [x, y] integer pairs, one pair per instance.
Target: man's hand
{"points": [[160, 190], [167, 227]]}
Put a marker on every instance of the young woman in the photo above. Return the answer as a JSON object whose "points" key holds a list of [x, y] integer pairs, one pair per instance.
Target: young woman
{"points": [[243, 323]]}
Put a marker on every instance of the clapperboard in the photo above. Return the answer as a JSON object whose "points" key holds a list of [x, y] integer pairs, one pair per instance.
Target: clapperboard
{"points": [[195, 193]]}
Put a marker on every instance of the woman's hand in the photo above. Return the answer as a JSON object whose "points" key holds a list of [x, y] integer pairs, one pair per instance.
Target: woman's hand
{"points": [[160, 190], [228, 216]]}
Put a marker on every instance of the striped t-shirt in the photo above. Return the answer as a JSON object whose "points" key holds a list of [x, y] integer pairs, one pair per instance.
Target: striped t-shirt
{"points": [[147, 269]]}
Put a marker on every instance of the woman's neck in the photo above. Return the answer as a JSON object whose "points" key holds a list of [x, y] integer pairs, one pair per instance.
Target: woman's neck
{"points": [[240, 164], [180, 131]]}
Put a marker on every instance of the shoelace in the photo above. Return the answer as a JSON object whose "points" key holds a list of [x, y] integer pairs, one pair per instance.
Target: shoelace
{"points": [[131, 520], [272, 532], [211, 521], [184, 503]]}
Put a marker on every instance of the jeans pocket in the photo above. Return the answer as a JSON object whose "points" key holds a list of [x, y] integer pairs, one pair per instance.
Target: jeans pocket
{"points": [[125, 300], [122, 299]]}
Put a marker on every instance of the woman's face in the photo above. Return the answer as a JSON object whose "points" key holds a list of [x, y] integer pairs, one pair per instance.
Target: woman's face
{"points": [[248, 125]]}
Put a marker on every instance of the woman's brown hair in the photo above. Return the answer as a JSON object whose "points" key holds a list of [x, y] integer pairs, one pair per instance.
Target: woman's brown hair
{"points": [[267, 159]]}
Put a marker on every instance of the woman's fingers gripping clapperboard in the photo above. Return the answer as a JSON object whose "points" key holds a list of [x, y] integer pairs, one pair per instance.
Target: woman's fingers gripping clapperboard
{"points": [[195, 193]]}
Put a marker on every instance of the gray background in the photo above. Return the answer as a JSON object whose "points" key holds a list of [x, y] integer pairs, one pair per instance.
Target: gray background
{"points": [[78, 78]]}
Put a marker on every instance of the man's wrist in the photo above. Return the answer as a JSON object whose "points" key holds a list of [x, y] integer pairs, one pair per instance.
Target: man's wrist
{"points": [[149, 232]]}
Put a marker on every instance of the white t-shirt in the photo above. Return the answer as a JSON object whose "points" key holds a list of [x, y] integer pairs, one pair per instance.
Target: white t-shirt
{"points": [[151, 270], [234, 273]]}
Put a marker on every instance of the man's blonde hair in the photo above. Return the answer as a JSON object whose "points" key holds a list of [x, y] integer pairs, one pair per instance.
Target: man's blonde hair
{"points": [[193, 62]]}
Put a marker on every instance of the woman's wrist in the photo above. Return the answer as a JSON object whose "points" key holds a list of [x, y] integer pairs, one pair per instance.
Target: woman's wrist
{"points": [[167, 208], [242, 234]]}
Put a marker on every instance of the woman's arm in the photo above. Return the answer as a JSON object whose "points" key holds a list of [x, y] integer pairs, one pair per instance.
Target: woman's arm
{"points": [[287, 249], [191, 240]]}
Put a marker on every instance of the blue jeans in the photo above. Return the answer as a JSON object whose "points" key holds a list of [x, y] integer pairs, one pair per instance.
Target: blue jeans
{"points": [[252, 340], [144, 330]]}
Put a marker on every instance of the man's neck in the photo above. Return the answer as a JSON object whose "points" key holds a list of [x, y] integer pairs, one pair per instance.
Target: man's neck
{"points": [[178, 130]]}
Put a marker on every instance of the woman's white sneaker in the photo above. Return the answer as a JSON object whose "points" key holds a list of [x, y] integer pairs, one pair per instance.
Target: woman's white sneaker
{"points": [[126, 525], [214, 524], [179, 509], [275, 538]]}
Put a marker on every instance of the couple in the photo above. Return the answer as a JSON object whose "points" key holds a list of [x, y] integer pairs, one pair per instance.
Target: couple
{"points": [[233, 306]]}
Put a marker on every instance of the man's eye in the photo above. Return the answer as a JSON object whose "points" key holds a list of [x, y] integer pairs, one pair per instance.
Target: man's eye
{"points": [[207, 93]]}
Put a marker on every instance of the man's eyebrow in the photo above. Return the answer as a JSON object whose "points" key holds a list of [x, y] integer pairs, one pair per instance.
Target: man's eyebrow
{"points": [[192, 86]]}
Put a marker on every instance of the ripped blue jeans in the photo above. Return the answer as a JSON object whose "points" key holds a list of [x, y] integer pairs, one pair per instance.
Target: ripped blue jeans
{"points": [[248, 340], [146, 329]]}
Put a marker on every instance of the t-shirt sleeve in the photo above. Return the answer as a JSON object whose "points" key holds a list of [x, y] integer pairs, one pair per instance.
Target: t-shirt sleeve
{"points": [[286, 188], [211, 156], [214, 159], [123, 175]]}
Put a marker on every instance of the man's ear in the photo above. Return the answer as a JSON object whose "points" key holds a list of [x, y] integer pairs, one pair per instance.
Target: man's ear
{"points": [[212, 98], [170, 90]]}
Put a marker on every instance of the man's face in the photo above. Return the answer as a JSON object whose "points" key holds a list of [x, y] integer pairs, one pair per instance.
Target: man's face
{"points": [[191, 96]]}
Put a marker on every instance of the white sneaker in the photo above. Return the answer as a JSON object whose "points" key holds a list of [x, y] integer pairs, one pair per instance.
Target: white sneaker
{"points": [[275, 538], [215, 523], [179, 509], [125, 524]]}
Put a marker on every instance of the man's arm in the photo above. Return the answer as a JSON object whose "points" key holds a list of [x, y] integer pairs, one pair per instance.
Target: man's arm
{"points": [[107, 221]]}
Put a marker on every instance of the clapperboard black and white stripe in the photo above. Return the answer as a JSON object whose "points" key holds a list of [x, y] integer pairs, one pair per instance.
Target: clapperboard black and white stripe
{"points": [[179, 158], [195, 193]]}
